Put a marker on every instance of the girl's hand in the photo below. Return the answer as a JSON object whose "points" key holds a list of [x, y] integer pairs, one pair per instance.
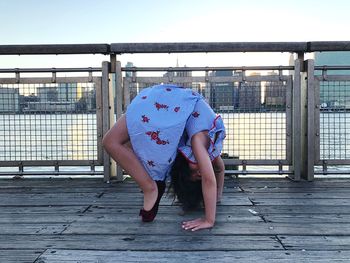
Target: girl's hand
{"points": [[197, 224]]}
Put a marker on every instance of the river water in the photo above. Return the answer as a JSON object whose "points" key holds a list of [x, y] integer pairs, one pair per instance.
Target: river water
{"points": [[249, 136]]}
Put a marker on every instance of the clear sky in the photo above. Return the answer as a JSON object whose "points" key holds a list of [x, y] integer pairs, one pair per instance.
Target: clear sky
{"points": [[113, 21]]}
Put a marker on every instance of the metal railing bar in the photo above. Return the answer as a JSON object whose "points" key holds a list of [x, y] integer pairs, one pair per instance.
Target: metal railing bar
{"points": [[43, 80], [332, 172], [338, 67], [267, 172], [41, 70], [211, 79], [133, 69], [52, 173]]}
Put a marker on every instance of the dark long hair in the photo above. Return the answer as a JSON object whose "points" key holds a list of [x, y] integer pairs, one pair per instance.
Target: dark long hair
{"points": [[189, 193]]}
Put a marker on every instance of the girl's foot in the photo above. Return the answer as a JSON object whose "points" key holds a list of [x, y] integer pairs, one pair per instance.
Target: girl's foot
{"points": [[148, 216]]}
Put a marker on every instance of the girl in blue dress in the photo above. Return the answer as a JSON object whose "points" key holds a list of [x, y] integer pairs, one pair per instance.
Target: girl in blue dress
{"points": [[170, 130]]}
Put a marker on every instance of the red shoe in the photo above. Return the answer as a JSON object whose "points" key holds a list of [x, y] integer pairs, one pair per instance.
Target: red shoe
{"points": [[148, 216]]}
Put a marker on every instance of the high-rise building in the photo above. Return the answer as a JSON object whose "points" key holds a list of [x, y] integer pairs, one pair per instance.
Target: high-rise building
{"points": [[334, 58], [274, 93], [249, 94], [223, 95], [334, 95], [9, 99]]}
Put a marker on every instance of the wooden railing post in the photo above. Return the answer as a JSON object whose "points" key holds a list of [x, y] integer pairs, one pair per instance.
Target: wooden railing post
{"points": [[297, 122], [119, 105], [106, 116], [310, 160]]}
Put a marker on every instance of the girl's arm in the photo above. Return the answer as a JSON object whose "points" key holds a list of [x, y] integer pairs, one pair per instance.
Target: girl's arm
{"points": [[199, 143], [219, 170]]}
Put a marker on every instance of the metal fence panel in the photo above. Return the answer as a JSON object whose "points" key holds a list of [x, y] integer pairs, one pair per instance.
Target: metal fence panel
{"points": [[333, 120], [50, 123], [256, 111]]}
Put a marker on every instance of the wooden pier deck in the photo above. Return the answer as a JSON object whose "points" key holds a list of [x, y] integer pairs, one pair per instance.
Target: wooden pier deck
{"points": [[259, 220]]}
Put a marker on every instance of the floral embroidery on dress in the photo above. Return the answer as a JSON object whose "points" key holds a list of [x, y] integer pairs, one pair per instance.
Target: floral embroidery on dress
{"points": [[176, 109], [161, 106], [151, 163], [195, 114], [145, 118], [155, 137]]}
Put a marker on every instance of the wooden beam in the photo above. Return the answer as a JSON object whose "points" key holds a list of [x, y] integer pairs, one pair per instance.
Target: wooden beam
{"points": [[54, 49], [120, 48]]}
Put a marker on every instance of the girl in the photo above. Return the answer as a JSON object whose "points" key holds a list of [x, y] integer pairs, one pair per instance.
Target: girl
{"points": [[166, 130]]}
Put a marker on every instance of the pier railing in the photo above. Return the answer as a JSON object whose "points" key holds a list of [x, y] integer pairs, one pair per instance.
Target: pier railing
{"points": [[289, 120], [51, 121]]}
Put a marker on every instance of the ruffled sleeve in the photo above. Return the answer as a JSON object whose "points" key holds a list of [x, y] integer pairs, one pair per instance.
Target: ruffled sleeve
{"points": [[203, 118]]}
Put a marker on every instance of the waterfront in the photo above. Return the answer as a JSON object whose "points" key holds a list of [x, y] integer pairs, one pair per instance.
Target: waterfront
{"points": [[250, 136], [48, 137]]}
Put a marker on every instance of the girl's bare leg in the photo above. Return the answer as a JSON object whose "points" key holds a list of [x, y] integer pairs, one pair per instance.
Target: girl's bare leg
{"points": [[116, 144]]}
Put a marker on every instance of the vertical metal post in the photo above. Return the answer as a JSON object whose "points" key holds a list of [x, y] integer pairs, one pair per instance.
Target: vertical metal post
{"points": [[105, 116], [310, 120], [296, 120], [119, 105]]}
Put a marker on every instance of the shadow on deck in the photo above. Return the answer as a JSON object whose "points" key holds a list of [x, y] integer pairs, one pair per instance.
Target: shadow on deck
{"points": [[259, 220]]}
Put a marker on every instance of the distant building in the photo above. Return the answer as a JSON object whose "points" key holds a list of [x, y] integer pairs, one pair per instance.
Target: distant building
{"points": [[275, 95], [180, 74], [334, 58], [223, 95], [129, 74], [60, 92], [249, 96], [9, 100], [62, 97], [335, 94]]}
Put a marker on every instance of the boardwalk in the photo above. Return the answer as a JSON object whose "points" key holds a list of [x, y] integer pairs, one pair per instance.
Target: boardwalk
{"points": [[259, 220]]}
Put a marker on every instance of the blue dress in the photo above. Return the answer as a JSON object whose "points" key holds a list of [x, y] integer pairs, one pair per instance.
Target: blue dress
{"points": [[161, 121]]}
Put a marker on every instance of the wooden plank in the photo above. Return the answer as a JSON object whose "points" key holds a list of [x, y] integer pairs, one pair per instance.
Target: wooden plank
{"points": [[142, 242], [292, 190], [59, 256], [54, 182], [316, 243], [128, 216], [243, 182], [37, 218], [48, 199], [308, 218], [55, 199], [54, 49], [234, 199], [284, 183], [301, 202], [45, 190], [30, 228], [304, 196], [305, 209], [19, 255], [160, 228], [43, 209], [239, 211], [121, 48]]}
